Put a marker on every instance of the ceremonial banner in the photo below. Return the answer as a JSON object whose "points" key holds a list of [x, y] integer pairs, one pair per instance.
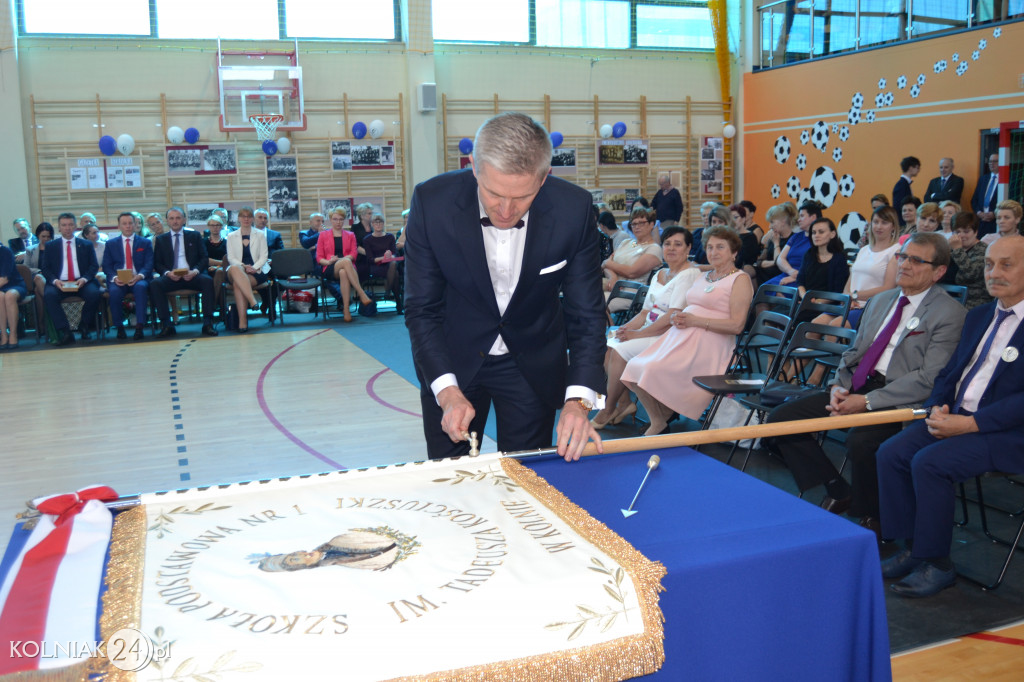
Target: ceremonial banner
{"points": [[453, 570]]}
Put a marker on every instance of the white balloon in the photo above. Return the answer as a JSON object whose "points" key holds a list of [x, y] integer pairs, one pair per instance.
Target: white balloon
{"points": [[175, 135], [606, 130], [284, 145], [376, 128], [729, 130], [125, 144]]}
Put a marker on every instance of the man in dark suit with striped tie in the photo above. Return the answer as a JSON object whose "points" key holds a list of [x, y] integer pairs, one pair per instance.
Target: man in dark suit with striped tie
{"points": [[70, 267], [986, 196], [976, 424]]}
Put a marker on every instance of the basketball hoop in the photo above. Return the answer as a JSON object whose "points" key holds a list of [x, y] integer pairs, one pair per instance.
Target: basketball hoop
{"points": [[266, 124]]}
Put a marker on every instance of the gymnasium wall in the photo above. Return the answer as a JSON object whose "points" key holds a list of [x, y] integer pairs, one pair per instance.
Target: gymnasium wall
{"points": [[955, 87], [132, 86]]}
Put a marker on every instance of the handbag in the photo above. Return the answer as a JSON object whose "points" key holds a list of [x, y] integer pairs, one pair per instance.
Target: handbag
{"points": [[368, 309], [776, 392], [231, 322]]}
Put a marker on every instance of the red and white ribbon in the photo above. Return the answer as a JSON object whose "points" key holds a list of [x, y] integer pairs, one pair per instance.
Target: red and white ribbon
{"points": [[49, 596]]}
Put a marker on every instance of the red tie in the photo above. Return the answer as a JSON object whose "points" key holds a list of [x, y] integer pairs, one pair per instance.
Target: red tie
{"points": [[71, 264], [128, 254]]}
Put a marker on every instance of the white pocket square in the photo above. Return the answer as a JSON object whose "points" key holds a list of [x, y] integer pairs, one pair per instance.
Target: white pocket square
{"points": [[553, 268]]}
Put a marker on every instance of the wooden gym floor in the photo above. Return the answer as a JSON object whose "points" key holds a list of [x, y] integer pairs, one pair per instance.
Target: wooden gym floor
{"points": [[195, 411]]}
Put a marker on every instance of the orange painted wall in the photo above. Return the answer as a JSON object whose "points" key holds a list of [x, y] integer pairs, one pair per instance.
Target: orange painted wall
{"points": [[944, 119]]}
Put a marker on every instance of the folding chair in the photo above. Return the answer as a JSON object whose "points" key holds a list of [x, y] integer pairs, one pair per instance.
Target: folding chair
{"points": [[802, 341], [956, 291], [775, 298], [27, 305], [293, 270], [623, 290], [1013, 546]]}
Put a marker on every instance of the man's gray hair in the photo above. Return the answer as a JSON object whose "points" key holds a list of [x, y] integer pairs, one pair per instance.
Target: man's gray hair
{"points": [[513, 144], [940, 247]]}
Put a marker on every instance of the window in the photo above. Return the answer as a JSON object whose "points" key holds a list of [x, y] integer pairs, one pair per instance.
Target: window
{"points": [[612, 24], [208, 19], [364, 20], [482, 21], [110, 17]]}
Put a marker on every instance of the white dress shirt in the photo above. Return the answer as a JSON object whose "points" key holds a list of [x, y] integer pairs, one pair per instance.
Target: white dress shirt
{"points": [[972, 396], [908, 311], [74, 258]]}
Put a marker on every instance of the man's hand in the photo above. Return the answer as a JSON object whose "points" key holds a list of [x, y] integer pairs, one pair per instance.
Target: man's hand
{"points": [[844, 402], [171, 276], [80, 282], [118, 282], [574, 430], [458, 413], [942, 424], [190, 275]]}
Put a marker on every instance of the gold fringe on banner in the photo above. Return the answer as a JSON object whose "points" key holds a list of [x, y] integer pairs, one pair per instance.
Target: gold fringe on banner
{"points": [[720, 32], [122, 602], [619, 659]]}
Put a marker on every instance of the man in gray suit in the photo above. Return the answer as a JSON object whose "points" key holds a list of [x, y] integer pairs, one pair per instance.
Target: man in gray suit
{"points": [[906, 336]]}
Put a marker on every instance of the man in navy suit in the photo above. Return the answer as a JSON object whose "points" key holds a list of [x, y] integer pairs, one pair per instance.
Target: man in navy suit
{"points": [[946, 187], [70, 259], [976, 425], [116, 257], [910, 167], [489, 250], [261, 220], [986, 197], [180, 250]]}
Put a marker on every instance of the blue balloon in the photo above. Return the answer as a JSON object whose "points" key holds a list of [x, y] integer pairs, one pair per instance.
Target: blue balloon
{"points": [[556, 139], [108, 145], [192, 135], [466, 145], [359, 130], [619, 129], [269, 147]]}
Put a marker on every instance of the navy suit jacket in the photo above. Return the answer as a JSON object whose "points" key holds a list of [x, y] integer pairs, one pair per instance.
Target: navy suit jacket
{"points": [[195, 252], [142, 257], [53, 259], [953, 190], [900, 191], [978, 202], [308, 238], [1002, 404], [274, 240], [451, 310]]}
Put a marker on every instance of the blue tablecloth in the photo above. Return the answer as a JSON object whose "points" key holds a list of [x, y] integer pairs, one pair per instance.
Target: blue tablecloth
{"points": [[760, 585]]}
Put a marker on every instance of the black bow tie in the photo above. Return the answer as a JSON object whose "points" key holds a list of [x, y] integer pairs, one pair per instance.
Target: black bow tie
{"points": [[486, 222]]}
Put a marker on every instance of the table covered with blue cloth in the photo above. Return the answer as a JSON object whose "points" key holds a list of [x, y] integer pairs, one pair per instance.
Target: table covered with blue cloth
{"points": [[760, 586]]}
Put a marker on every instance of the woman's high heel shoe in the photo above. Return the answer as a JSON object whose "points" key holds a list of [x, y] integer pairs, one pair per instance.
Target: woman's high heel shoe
{"points": [[627, 411], [598, 425]]}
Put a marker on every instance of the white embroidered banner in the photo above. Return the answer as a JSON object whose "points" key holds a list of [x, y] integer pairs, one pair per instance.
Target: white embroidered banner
{"points": [[467, 569]]}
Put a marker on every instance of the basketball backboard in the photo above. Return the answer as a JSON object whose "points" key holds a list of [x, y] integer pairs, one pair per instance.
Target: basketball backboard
{"points": [[259, 82]]}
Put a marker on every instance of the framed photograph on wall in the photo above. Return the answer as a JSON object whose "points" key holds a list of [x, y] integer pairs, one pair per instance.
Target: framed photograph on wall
{"points": [[622, 152], [563, 161], [196, 160], [103, 173], [283, 188]]}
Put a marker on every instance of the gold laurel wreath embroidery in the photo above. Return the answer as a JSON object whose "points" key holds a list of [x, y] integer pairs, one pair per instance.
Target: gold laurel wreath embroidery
{"points": [[587, 615], [188, 669], [480, 475], [407, 544], [163, 522]]}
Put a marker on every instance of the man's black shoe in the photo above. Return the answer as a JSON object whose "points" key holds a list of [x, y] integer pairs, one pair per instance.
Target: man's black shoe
{"points": [[167, 331], [208, 330]]}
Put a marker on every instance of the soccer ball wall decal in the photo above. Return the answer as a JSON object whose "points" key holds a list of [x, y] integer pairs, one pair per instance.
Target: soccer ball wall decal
{"points": [[801, 162], [824, 186], [846, 185], [782, 149], [819, 136], [793, 187], [776, 191]]}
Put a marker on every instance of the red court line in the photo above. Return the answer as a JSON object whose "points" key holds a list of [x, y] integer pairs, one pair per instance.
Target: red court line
{"points": [[273, 420], [373, 394], [996, 638]]}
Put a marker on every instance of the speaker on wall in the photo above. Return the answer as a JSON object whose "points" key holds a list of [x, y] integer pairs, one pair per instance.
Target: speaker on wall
{"points": [[428, 96]]}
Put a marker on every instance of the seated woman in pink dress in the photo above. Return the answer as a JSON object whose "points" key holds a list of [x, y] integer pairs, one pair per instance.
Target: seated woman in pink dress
{"points": [[701, 338], [336, 251], [667, 295]]}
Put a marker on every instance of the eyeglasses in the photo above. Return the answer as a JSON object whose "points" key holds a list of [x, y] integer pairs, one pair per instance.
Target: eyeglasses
{"points": [[379, 221], [902, 257], [639, 222]]}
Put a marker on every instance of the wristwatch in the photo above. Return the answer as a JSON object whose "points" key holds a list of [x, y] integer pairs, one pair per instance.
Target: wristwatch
{"points": [[855, 296], [587, 405], [867, 403]]}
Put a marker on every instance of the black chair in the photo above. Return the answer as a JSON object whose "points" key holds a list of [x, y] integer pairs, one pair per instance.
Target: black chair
{"points": [[28, 307], [1013, 545], [778, 299], [767, 325], [956, 291], [813, 304], [808, 338], [623, 289], [293, 270]]}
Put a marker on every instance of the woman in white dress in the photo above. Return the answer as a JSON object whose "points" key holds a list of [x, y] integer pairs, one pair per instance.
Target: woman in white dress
{"points": [[666, 296], [636, 258]]}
